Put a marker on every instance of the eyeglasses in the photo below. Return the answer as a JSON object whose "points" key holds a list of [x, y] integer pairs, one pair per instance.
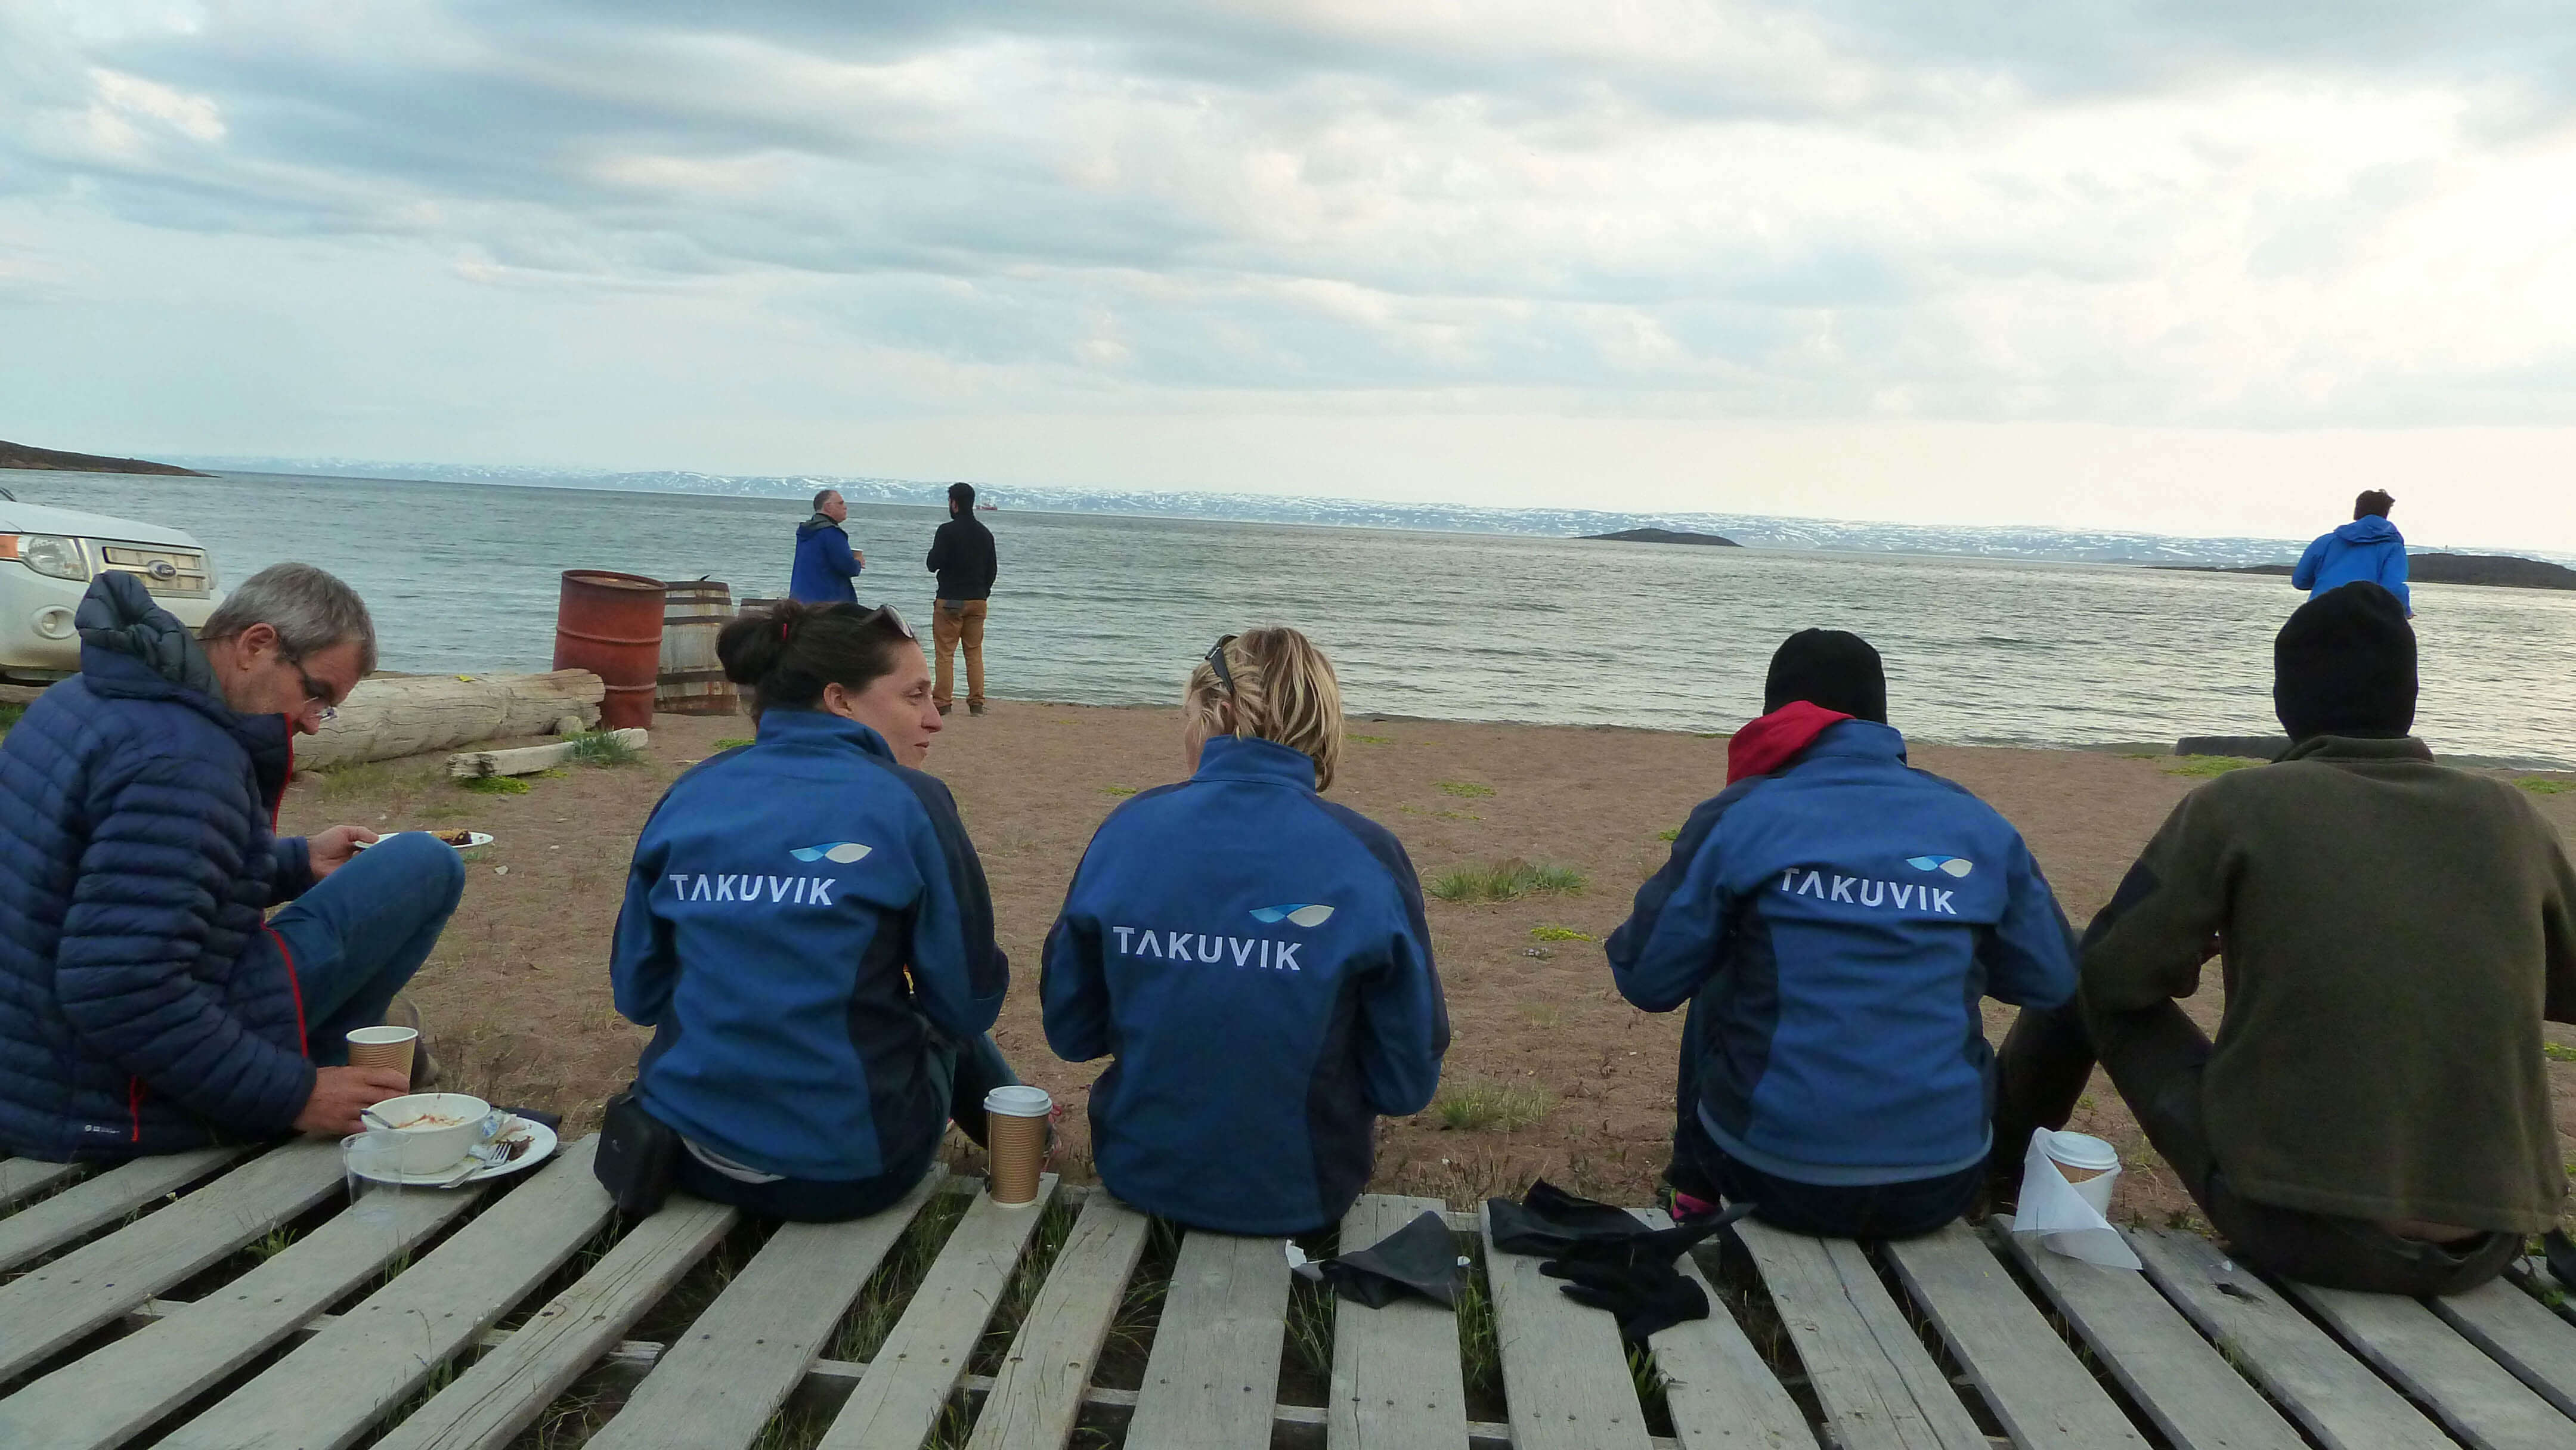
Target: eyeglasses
{"points": [[1216, 659], [315, 690]]}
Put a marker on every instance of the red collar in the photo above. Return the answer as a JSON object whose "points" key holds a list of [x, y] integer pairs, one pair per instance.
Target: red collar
{"points": [[1771, 742]]}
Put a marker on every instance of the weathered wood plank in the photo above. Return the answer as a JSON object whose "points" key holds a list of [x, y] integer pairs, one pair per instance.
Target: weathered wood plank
{"points": [[2536, 1345], [2476, 1397], [1037, 1392], [897, 1401], [329, 1390], [1396, 1380], [718, 1385], [2030, 1379], [119, 1391], [529, 759], [1880, 1388], [54, 1306], [1565, 1375], [1719, 1392], [27, 1177], [507, 1389], [1213, 1375], [2168, 1370], [102, 1199], [2333, 1396]]}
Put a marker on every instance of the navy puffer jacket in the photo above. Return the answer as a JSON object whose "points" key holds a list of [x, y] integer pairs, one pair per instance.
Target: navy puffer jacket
{"points": [[137, 1012]]}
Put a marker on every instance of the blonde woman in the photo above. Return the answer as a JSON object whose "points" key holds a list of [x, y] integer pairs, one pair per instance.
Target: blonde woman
{"points": [[1254, 957]]}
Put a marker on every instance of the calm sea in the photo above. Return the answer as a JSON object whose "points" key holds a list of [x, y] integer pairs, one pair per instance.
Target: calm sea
{"points": [[1457, 626]]}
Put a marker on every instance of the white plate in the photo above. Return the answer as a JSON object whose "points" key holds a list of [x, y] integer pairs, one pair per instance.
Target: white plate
{"points": [[472, 840], [541, 1146]]}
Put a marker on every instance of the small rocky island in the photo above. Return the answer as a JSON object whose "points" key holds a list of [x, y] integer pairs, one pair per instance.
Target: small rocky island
{"points": [[43, 460], [2505, 571], [1666, 536]]}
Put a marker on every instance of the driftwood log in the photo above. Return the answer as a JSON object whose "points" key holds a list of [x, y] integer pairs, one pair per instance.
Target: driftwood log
{"points": [[529, 759], [387, 718]]}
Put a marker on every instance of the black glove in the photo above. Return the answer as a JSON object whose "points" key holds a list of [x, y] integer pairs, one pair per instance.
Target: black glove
{"points": [[1556, 1224], [1644, 1298], [1421, 1257]]}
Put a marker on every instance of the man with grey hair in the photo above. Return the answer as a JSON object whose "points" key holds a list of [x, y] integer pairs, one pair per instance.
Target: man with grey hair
{"points": [[827, 568], [147, 1002]]}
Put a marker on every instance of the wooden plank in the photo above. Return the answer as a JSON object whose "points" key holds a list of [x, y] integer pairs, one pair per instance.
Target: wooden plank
{"points": [[101, 1200], [1719, 1392], [2537, 1346], [1213, 1375], [331, 1389], [27, 1177], [529, 759], [56, 1305], [508, 1388], [124, 1388], [2030, 1379], [1396, 1380], [1565, 1374], [1037, 1392], [2476, 1397], [720, 1384], [2333, 1396], [2168, 1370], [1880, 1388], [897, 1400]]}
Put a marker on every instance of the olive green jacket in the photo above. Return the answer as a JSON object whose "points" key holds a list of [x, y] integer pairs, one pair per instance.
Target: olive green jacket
{"points": [[2393, 933]]}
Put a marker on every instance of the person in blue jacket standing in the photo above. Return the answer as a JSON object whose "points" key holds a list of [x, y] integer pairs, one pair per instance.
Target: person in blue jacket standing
{"points": [[1255, 958], [827, 568], [808, 932], [2367, 548], [1832, 918]]}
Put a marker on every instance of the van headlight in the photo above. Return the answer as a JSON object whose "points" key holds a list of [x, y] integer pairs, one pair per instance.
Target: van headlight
{"points": [[49, 554]]}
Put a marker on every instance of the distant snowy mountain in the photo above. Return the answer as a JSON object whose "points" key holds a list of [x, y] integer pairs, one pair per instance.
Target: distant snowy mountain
{"points": [[1754, 530]]}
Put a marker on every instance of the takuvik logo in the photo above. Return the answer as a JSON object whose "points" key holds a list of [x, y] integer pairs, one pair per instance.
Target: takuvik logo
{"points": [[843, 852], [776, 890], [1293, 915], [1868, 891], [1954, 865]]}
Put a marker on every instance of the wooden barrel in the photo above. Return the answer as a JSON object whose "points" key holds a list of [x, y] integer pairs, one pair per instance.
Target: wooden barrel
{"points": [[693, 682], [611, 625], [757, 606]]}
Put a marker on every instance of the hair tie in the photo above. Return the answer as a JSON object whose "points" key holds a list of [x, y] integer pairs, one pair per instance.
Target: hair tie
{"points": [[782, 631]]}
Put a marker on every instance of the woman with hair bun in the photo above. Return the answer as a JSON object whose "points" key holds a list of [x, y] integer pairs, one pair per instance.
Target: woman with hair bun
{"points": [[1255, 957], [808, 932]]}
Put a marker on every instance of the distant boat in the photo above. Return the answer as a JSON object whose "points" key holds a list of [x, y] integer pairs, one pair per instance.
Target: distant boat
{"points": [[988, 508]]}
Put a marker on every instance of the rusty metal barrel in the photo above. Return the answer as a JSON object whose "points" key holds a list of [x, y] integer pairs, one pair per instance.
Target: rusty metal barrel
{"points": [[693, 681], [611, 625]]}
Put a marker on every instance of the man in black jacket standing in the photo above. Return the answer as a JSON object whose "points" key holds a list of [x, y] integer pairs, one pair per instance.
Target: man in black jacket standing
{"points": [[962, 556]]}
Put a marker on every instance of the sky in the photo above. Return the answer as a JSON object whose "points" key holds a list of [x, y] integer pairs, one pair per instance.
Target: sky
{"points": [[2202, 267]]}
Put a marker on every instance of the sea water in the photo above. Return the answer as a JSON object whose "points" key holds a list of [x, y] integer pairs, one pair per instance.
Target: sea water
{"points": [[1107, 610]]}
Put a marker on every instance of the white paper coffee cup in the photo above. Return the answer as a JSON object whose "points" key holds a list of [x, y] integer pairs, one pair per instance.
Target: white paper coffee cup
{"points": [[2089, 1165], [1015, 1131], [383, 1047]]}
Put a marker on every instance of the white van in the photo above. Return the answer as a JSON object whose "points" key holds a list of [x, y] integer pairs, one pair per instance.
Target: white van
{"points": [[49, 555]]}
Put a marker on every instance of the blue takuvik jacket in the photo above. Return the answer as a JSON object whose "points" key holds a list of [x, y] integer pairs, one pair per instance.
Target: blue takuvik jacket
{"points": [[796, 909], [2367, 548], [826, 571], [140, 1011], [1255, 958], [1833, 926]]}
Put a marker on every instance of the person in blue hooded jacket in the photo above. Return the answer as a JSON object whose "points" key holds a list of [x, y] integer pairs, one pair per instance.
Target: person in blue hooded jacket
{"points": [[827, 568], [1832, 918], [808, 932], [1254, 957], [2367, 548]]}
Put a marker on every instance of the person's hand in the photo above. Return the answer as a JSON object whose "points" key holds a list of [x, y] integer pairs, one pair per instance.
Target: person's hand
{"points": [[338, 1094], [330, 850], [858, 556]]}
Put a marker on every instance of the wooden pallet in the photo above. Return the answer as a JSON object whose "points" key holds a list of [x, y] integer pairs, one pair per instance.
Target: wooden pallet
{"points": [[135, 1316]]}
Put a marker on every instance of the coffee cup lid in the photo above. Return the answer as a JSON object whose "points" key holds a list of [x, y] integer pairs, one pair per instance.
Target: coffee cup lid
{"points": [[2083, 1150], [383, 1034], [1018, 1102]]}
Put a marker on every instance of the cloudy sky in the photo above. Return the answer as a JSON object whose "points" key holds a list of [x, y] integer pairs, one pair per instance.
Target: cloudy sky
{"points": [[2200, 267]]}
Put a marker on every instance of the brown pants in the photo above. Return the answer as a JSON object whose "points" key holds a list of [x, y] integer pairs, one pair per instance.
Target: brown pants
{"points": [[955, 622], [2156, 1057]]}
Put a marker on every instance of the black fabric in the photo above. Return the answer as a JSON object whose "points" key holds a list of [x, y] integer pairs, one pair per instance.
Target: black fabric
{"points": [[1830, 667], [1902, 1210], [1419, 1258], [961, 554], [638, 1156], [2344, 664], [1646, 1299]]}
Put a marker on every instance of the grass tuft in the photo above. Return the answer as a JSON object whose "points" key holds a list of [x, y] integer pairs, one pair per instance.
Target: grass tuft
{"points": [[730, 743], [342, 782], [11, 712], [1504, 881], [1669, 833], [494, 785], [1478, 1105], [1480, 1345], [1466, 788], [2542, 785], [2204, 766], [1550, 931], [1118, 790], [2556, 1053], [1369, 739], [889, 1290], [601, 748]]}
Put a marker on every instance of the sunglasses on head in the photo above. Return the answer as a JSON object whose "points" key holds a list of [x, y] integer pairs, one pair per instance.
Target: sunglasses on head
{"points": [[1216, 660], [867, 616]]}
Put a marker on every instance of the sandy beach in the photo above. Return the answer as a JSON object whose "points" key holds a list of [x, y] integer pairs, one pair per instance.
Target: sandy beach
{"points": [[517, 1000]]}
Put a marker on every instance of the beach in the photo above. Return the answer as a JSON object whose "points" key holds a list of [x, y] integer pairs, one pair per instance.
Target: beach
{"points": [[516, 999]]}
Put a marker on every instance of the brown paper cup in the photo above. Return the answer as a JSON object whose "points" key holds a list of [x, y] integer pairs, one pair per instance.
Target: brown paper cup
{"points": [[1015, 1129], [383, 1047]]}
